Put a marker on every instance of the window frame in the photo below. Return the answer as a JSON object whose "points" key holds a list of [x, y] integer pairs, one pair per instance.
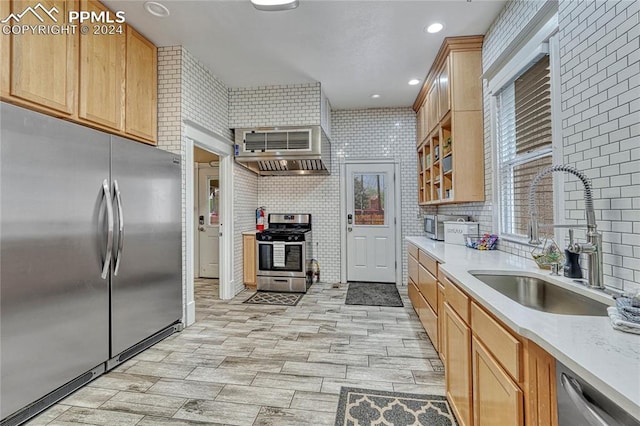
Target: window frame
{"points": [[544, 41]]}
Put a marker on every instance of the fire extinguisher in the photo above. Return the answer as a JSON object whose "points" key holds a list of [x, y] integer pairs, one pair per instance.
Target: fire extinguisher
{"points": [[260, 218]]}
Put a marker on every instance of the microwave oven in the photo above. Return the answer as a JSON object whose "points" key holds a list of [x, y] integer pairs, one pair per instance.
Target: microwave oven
{"points": [[434, 224]]}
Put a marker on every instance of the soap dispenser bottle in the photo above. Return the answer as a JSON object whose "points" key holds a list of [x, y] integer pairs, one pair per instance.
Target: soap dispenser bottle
{"points": [[572, 265]]}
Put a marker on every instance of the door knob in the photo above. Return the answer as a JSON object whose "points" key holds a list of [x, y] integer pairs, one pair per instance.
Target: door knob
{"points": [[201, 228], [349, 229]]}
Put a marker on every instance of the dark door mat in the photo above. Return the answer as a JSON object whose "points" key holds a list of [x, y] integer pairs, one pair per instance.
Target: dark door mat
{"points": [[272, 298], [372, 407], [373, 294]]}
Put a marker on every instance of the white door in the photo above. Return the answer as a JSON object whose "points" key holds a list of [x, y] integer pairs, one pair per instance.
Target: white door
{"points": [[371, 223], [208, 221]]}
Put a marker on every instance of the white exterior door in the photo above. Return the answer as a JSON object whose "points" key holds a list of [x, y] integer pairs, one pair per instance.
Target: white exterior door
{"points": [[208, 221], [371, 223]]}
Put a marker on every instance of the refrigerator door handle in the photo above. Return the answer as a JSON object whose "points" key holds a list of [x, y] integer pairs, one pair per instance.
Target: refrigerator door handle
{"points": [[118, 198], [107, 255]]}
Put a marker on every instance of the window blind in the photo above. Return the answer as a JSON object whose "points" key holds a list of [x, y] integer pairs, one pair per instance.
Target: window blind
{"points": [[523, 124], [533, 107]]}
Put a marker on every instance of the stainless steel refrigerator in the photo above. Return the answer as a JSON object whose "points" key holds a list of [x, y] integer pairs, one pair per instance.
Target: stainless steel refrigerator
{"points": [[90, 255]]}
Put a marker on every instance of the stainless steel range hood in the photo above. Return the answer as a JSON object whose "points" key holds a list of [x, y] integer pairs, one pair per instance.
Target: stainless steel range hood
{"points": [[277, 151]]}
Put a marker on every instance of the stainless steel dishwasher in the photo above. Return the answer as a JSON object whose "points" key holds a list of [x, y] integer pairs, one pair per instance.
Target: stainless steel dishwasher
{"points": [[580, 404]]}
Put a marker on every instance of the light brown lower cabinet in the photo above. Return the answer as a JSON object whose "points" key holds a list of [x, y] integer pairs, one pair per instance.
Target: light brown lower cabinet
{"points": [[497, 400], [457, 365], [441, 329], [494, 376], [541, 405], [249, 259]]}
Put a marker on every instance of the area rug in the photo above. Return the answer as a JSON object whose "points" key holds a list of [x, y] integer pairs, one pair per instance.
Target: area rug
{"points": [[373, 294], [271, 298], [360, 407]]}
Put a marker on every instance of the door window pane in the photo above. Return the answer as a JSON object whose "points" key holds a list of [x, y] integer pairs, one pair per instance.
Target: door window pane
{"points": [[214, 201], [369, 199]]}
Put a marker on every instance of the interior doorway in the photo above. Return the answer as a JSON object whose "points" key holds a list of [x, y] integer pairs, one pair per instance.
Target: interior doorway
{"points": [[207, 211], [209, 205]]}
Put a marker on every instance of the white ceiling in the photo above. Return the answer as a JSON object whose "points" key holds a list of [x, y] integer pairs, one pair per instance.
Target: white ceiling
{"points": [[354, 48]]}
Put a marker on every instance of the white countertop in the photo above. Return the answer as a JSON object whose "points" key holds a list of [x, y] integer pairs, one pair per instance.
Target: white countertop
{"points": [[606, 358]]}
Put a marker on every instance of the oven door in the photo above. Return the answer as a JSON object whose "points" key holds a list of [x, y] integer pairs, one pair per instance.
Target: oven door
{"points": [[291, 266]]}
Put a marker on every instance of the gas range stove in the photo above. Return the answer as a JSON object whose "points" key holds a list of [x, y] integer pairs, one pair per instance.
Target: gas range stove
{"points": [[285, 253]]}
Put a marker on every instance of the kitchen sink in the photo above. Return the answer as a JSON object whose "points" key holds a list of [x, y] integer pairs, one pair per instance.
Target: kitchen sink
{"points": [[542, 295]]}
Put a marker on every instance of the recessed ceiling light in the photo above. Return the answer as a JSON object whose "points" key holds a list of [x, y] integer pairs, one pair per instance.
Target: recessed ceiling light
{"points": [[414, 82], [435, 27], [375, 96], [274, 5], [156, 9]]}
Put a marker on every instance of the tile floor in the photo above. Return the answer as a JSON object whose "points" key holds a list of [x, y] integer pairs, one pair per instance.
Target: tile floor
{"points": [[243, 364]]}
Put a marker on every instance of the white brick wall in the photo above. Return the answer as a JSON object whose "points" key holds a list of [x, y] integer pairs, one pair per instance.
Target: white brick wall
{"points": [[289, 105], [187, 90], [600, 85], [600, 68], [205, 98], [357, 134], [169, 98], [170, 123]]}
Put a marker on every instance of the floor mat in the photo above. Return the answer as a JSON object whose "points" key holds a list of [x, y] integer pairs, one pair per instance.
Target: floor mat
{"points": [[372, 407], [271, 298], [373, 294]]}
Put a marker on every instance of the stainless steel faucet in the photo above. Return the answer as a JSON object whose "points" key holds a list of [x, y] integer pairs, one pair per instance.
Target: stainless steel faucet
{"points": [[593, 247]]}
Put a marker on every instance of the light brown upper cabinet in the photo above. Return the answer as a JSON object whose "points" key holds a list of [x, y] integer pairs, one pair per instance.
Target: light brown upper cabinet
{"points": [[5, 53], [450, 140], [142, 87], [102, 74], [444, 96], [106, 77], [44, 67]]}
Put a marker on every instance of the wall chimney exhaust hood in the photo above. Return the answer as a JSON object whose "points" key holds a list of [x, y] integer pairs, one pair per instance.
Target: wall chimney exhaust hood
{"points": [[277, 151]]}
